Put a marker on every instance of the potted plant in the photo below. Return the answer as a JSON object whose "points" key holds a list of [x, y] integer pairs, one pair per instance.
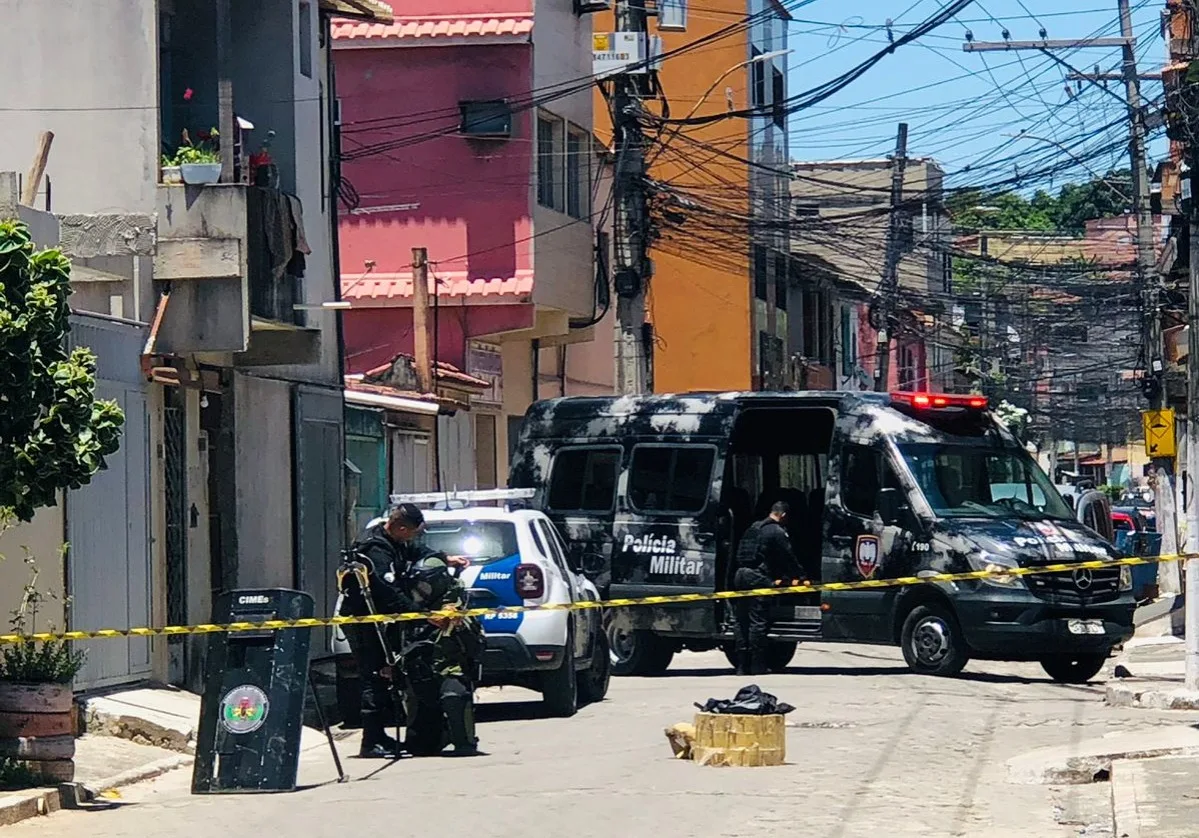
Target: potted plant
{"points": [[170, 170], [37, 700], [54, 435], [200, 162]]}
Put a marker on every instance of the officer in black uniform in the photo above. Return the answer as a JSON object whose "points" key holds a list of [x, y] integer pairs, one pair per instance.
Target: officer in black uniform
{"points": [[763, 557], [389, 550]]}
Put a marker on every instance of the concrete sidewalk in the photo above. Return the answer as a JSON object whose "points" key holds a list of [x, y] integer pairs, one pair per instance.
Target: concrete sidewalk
{"points": [[131, 736], [1156, 797]]}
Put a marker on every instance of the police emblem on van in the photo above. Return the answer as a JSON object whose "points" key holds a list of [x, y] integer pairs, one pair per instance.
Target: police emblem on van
{"points": [[865, 555]]}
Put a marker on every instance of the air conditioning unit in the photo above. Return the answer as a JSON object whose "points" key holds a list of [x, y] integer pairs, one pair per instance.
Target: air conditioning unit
{"points": [[590, 7]]}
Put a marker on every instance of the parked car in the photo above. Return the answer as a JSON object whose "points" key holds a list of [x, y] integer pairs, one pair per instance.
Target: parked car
{"points": [[518, 558]]}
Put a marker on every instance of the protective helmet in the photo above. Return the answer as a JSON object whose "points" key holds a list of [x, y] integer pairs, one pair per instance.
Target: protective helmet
{"points": [[429, 582]]}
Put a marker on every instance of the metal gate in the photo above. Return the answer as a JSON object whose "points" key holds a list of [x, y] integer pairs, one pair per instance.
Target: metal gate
{"points": [[108, 521], [174, 438], [318, 415]]}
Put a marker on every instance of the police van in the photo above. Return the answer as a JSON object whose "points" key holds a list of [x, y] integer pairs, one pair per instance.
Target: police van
{"points": [[657, 490], [517, 558]]}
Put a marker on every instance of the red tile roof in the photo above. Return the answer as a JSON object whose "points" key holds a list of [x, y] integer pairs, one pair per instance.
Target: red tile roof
{"points": [[377, 287], [438, 26], [445, 372]]}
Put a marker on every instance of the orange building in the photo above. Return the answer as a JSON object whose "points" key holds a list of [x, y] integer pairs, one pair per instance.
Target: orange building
{"points": [[717, 300]]}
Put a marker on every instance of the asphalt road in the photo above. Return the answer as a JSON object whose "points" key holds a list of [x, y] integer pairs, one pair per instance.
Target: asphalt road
{"points": [[873, 751]]}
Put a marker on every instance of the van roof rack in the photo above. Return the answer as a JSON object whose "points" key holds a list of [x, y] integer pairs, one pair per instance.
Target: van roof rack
{"points": [[455, 499]]}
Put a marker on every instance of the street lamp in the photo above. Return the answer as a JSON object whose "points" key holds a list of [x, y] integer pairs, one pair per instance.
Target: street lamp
{"points": [[757, 59]]}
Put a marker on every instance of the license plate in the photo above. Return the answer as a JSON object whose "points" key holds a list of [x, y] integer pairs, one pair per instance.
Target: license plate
{"points": [[1086, 626]]}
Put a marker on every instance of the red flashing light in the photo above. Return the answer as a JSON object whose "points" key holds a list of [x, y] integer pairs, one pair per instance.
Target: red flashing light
{"points": [[938, 400]]}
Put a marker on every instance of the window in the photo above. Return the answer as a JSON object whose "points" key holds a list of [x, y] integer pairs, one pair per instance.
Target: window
{"points": [[670, 479], [849, 343], [977, 482], [480, 541], [584, 479], [490, 118], [778, 103], [672, 15], [802, 471], [555, 549], [304, 25], [578, 175], [780, 282], [757, 77], [549, 156], [860, 479], [761, 272]]}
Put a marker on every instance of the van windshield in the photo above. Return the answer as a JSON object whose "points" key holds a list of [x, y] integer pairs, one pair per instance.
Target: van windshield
{"points": [[970, 481]]}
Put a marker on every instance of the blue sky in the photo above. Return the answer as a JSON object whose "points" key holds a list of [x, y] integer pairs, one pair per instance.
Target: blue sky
{"points": [[960, 105]]}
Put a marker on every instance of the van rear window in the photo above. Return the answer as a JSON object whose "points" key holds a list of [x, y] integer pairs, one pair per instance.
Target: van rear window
{"points": [[584, 480], [672, 479]]}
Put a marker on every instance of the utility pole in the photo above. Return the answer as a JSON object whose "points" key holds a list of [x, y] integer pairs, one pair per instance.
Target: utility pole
{"points": [[890, 285], [1149, 282], [634, 357], [421, 353]]}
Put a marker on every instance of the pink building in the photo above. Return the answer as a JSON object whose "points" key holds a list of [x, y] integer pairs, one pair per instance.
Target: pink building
{"points": [[460, 133]]}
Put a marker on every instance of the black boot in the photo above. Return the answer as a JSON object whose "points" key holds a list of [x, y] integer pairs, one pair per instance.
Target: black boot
{"points": [[458, 708], [376, 744], [743, 663]]}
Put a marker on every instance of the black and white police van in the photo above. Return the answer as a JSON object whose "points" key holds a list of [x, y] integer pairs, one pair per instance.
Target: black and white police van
{"points": [[658, 489]]}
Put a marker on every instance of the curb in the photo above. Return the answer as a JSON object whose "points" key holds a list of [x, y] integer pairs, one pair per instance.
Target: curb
{"points": [[46, 801], [1151, 697], [1124, 778]]}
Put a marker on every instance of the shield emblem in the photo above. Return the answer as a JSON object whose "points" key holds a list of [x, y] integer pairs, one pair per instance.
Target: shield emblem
{"points": [[866, 555]]}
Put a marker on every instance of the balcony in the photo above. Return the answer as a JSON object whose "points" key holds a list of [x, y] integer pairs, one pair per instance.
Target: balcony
{"points": [[232, 257]]}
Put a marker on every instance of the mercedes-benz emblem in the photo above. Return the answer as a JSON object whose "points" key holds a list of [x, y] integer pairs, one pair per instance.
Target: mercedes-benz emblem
{"points": [[1083, 578]]}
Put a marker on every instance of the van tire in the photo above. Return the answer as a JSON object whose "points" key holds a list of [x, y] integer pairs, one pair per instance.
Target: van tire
{"points": [[932, 641], [638, 652], [1074, 669], [560, 687], [593, 682]]}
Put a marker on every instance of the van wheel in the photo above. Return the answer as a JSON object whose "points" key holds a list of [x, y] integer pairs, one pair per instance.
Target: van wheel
{"points": [[593, 685], [779, 655], [1074, 669], [637, 651], [932, 641], [560, 687]]}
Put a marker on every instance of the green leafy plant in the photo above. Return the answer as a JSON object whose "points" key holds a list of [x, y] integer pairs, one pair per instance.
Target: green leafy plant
{"points": [[206, 149], [15, 775], [54, 432]]}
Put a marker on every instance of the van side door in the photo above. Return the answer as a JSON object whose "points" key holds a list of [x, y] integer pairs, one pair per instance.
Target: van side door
{"points": [[580, 499], [858, 545]]}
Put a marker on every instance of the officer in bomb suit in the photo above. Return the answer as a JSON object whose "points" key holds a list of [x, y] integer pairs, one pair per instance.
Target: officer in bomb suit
{"points": [[440, 660]]}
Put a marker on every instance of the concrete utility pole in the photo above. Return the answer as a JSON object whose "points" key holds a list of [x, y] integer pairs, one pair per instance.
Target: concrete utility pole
{"points": [[421, 353], [634, 358], [1150, 283], [890, 286]]}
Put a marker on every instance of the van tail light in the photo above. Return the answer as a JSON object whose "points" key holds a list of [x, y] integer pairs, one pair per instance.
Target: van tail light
{"points": [[939, 400], [529, 581]]}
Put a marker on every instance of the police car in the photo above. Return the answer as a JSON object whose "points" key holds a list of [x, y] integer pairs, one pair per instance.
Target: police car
{"points": [[518, 558]]}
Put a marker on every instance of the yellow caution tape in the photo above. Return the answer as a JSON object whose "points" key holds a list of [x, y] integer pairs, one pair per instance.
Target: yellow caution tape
{"points": [[865, 584]]}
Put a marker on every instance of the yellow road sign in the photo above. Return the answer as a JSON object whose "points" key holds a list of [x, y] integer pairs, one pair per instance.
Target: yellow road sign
{"points": [[1159, 433]]}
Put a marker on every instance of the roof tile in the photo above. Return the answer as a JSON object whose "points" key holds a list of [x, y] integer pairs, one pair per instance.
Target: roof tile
{"points": [[455, 26]]}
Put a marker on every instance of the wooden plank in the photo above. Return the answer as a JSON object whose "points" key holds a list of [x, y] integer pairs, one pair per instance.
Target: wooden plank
{"points": [[39, 747], [729, 740], [38, 169], [13, 725], [207, 258], [36, 698]]}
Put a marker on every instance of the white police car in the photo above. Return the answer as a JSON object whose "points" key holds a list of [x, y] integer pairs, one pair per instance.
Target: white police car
{"points": [[517, 558]]}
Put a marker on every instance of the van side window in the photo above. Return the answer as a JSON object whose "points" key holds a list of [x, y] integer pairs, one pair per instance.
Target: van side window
{"points": [[584, 479], [860, 479], [673, 479]]}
